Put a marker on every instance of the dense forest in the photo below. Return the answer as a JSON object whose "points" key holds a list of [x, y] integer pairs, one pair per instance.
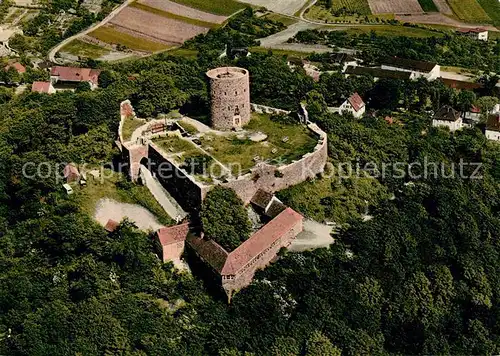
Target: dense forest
{"points": [[420, 277]]}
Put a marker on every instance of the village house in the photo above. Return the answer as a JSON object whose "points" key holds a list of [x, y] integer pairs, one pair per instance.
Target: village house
{"points": [[17, 66], [71, 173], [353, 105], [492, 131], [43, 87], [111, 225], [72, 76], [477, 33], [418, 69], [448, 117], [473, 114]]}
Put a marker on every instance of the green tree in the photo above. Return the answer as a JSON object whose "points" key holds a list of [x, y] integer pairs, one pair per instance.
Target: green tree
{"points": [[224, 218]]}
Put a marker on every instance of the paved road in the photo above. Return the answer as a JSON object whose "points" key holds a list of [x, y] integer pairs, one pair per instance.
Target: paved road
{"points": [[54, 50]]}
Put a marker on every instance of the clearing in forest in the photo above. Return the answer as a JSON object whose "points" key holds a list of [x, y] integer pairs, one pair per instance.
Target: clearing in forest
{"points": [[395, 6]]}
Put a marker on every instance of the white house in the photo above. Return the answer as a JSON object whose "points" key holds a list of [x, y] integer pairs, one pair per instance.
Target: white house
{"points": [[477, 33], [448, 117], [354, 105], [493, 128], [496, 109], [428, 70], [473, 114]]}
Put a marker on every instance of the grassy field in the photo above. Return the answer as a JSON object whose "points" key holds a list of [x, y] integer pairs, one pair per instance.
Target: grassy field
{"points": [[84, 49], [285, 20], [174, 144], [110, 187], [174, 16], [239, 153], [428, 5], [217, 7], [353, 6], [129, 126], [183, 52], [112, 36], [318, 12], [492, 8], [469, 10], [388, 30]]}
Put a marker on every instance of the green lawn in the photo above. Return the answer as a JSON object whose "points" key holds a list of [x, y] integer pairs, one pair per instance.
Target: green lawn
{"points": [[492, 8], [285, 20], [428, 5], [217, 7], [110, 35], [175, 145], [115, 186], [239, 153], [84, 49], [174, 16], [129, 126], [354, 6], [469, 10]]}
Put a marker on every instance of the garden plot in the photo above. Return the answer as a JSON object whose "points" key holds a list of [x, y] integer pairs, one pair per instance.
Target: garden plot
{"points": [[395, 6], [443, 7], [184, 11], [135, 21], [287, 7]]}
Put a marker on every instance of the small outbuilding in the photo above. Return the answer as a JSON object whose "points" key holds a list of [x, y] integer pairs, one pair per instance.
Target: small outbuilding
{"points": [[71, 173]]}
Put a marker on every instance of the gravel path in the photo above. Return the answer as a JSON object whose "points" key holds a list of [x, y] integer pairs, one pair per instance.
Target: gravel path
{"points": [[315, 235], [107, 209]]}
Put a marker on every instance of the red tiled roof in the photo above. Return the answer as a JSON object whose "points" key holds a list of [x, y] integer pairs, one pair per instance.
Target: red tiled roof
{"points": [[40, 87], [389, 120], [473, 30], [17, 66], [126, 109], [173, 234], [69, 170], [74, 74], [259, 241], [111, 225], [475, 109], [356, 102]]}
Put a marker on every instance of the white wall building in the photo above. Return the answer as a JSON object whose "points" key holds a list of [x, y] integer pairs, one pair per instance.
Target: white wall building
{"points": [[448, 117], [478, 33], [492, 131], [354, 105], [428, 70]]}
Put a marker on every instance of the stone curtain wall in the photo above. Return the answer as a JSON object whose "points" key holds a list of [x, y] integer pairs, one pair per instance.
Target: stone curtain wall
{"points": [[229, 91], [264, 176]]}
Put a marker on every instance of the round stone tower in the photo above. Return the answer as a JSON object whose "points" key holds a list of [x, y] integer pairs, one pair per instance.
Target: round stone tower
{"points": [[230, 97]]}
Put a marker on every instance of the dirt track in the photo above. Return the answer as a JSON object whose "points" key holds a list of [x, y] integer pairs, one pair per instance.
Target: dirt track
{"points": [[111, 209]]}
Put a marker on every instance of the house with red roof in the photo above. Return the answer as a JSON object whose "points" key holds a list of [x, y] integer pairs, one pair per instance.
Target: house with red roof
{"points": [[477, 33], [71, 173], [170, 241], [43, 87], [17, 66], [353, 105], [72, 76], [474, 114]]}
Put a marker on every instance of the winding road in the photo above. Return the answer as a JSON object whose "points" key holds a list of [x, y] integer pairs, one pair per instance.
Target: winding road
{"points": [[52, 53]]}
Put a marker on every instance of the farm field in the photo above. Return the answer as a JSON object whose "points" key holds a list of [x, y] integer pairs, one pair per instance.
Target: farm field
{"points": [[285, 20], [469, 11], [428, 5], [357, 6], [287, 7], [157, 28], [111, 35], [437, 19], [172, 16], [443, 7], [387, 30], [492, 8], [183, 11], [217, 7], [395, 6]]}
